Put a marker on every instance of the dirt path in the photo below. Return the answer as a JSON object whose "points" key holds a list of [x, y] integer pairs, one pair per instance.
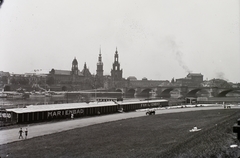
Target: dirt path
{"points": [[11, 135]]}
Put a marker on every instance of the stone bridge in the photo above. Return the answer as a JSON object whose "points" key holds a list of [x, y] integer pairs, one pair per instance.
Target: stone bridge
{"points": [[176, 91]]}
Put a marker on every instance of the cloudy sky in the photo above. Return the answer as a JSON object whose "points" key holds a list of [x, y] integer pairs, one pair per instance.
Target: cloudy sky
{"points": [[157, 39]]}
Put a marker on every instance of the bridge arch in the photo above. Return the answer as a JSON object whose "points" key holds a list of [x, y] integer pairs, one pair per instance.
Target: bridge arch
{"points": [[224, 93], [119, 90], [203, 93], [165, 93], [234, 93], [131, 92], [192, 93], [145, 92]]}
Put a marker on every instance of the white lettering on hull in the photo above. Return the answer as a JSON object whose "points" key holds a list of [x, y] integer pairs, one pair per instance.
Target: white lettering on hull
{"points": [[150, 104], [5, 115], [64, 113]]}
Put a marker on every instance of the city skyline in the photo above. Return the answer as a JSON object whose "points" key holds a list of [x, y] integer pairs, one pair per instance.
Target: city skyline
{"points": [[158, 40]]}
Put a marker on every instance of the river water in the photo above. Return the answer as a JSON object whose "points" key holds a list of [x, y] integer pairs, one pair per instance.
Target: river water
{"points": [[6, 103]]}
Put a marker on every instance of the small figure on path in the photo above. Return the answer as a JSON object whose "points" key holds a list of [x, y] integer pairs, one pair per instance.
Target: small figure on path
{"points": [[72, 116], [20, 133], [26, 133]]}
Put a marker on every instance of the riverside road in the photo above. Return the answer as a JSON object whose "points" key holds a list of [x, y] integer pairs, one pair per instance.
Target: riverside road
{"points": [[35, 130]]}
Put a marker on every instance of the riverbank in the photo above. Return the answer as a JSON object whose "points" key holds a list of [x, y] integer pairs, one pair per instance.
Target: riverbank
{"points": [[164, 135], [40, 129]]}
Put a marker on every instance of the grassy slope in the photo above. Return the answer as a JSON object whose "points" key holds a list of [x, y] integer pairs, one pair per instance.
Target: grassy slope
{"points": [[164, 135]]}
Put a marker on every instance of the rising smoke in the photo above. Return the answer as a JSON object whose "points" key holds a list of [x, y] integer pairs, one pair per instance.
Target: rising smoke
{"points": [[177, 53], [221, 75]]}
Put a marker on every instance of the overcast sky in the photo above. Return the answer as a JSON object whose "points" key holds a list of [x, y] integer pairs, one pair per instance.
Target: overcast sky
{"points": [[157, 39]]}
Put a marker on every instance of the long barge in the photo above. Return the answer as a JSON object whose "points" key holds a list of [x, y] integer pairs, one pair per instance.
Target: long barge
{"points": [[40, 113]]}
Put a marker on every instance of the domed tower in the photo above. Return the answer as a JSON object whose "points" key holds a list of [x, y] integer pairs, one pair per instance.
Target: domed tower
{"points": [[99, 72], [75, 66], [116, 73]]}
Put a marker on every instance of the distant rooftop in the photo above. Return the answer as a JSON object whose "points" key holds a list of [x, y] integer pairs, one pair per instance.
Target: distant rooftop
{"points": [[2, 73], [194, 74], [132, 78], [64, 72]]}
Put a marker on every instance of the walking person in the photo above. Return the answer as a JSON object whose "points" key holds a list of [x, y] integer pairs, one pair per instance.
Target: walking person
{"points": [[20, 133], [26, 133]]}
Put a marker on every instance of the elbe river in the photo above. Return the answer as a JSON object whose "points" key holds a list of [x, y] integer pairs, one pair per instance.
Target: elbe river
{"points": [[6, 103]]}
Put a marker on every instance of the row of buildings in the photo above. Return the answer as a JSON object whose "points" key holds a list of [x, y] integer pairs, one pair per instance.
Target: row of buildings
{"points": [[76, 79], [73, 79]]}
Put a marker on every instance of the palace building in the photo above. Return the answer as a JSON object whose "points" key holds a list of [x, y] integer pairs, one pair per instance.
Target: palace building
{"points": [[73, 76], [73, 79]]}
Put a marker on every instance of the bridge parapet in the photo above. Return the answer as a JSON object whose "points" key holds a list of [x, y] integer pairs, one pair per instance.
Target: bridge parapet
{"points": [[184, 91]]}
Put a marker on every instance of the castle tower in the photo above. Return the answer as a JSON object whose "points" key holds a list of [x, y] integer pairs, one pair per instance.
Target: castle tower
{"points": [[75, 66], [116, 73], [75, 70], [99, 70]]}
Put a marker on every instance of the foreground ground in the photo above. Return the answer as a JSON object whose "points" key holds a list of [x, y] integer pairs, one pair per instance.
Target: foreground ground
{"points": [[164, 135]]}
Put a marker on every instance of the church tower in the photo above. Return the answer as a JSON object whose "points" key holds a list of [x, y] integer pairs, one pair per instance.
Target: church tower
{"points": [[116, 73], [75, 70], [74, 67], [99, 72]]}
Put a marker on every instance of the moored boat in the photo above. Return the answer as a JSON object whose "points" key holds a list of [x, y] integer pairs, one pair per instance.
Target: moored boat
{"points": [[15, 95], [54, 94], [37, 95], [58, 95]]}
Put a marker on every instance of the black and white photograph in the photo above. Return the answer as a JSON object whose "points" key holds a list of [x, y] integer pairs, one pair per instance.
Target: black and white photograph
{"points": [[120, 78]]}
